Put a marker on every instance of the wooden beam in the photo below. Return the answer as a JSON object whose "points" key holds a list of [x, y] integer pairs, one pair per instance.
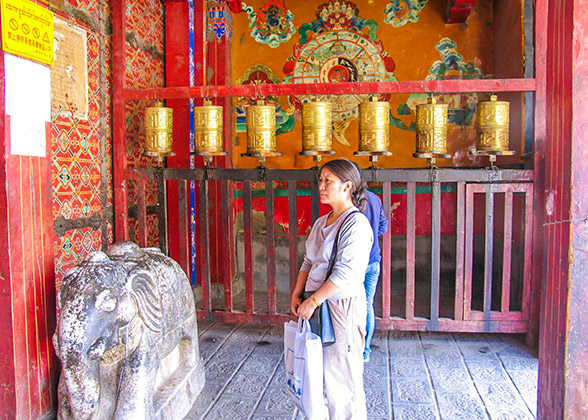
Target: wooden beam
{"points": [[417, 86]]}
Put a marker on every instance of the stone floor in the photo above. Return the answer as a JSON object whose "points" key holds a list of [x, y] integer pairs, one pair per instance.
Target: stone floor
{"points": [[411, 376]]}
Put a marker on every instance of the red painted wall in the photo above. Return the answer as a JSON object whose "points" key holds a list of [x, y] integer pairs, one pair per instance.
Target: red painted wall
{"points": [[28, 368]]}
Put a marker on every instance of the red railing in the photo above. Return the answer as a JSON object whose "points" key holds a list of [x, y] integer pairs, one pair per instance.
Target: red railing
{"points": [[471, 288]]}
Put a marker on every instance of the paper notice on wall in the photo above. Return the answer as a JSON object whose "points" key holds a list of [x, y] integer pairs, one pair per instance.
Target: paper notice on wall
{"points": [[28, 102]]}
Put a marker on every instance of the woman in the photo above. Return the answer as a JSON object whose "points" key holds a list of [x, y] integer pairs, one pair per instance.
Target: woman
{"points": [[340, 187]]}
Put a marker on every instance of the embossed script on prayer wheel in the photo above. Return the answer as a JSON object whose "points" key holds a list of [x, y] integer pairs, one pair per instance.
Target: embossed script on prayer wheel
{"points": [[261, 128], [431, 130], [158, 131], [317, 131], [493, 122], [208, 128], [374, 126]]}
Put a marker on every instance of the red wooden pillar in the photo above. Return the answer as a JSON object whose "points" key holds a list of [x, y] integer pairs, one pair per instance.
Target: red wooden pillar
{"points": [[119, 158], [563, 352], [219, 64], [177, 73]]}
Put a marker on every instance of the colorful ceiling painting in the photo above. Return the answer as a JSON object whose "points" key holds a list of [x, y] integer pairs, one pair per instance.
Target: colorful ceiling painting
{"points": [[338, 51], [271, 24], [261, 74], [462, 107], [400, 12], [218, 22]]}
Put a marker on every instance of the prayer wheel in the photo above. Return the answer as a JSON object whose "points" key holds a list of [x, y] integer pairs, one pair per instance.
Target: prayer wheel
{"points": [[208, 129], [158, 131], [317, 130], [374, 126], [261, 129], [431, 128], [493, 124]]}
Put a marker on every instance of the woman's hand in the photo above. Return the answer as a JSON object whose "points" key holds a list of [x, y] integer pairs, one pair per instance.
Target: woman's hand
{"points": [[306, 309], [295, 303]]}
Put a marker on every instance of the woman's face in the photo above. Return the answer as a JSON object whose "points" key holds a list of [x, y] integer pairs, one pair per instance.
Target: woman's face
{"points": [[331, 189]]}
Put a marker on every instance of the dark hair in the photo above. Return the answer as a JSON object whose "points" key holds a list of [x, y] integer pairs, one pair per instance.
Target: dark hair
{"points": [[346, 170]]}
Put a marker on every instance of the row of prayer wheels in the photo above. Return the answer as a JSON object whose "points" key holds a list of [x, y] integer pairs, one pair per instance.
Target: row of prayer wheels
{"points": [[317, 138]]}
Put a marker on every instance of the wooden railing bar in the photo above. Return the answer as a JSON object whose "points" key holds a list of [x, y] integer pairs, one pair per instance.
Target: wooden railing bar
{"points": [[497, 316], [161, 209], [399, 324], [489, 248], [445, 175], [469, 251], [225, 244], [293, 234], [528, 253], [183, 226], [435, 250], [270, 247], [141, 234], [386, 254], [410, 248], [408, 86], [507, 252], [248, 246], [460, 251], [223, 174], [315, 199], [204, 246]]}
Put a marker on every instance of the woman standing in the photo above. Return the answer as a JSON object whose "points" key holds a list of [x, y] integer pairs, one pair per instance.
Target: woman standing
{"points": [[341, 188]]}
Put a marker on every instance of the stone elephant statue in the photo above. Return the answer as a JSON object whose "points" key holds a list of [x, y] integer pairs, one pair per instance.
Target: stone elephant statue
{"points": [[127, 337]]}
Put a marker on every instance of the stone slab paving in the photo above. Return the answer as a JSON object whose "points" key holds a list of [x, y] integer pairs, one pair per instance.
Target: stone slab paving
{"points": [[411, 376]]}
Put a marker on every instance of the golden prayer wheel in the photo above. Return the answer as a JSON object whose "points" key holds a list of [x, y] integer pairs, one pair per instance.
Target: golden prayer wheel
{"points": [[493, 124], [158, 131], [431, 128], [208, 128], [374, 126], [261, 129], [317, 130]]}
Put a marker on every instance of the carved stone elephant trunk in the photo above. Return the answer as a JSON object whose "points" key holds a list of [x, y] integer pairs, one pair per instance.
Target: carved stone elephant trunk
{"points": [[120, 314]]}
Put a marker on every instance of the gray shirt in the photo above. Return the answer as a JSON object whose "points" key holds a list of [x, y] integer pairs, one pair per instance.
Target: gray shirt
{"points": [[355, 243]]}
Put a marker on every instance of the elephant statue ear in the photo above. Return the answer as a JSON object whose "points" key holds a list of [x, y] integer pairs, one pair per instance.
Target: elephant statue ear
{"points": [[147, 296]]}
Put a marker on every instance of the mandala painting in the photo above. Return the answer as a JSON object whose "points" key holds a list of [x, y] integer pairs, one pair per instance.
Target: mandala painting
{"points": [[338, 51], [400, 12], [271, 24], [261, 74], [462, 107]]}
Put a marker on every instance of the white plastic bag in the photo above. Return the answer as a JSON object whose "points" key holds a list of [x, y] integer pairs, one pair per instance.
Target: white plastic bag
{"points": [[303, 355]]}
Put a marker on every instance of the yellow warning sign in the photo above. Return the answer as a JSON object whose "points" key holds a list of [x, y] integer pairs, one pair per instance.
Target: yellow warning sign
{"points": [[27, 30]]}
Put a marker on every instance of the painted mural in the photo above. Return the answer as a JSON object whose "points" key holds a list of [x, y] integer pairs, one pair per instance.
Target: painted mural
{"points": [[462, 107], [271, 23], [400, 12], [405, 40], [333, 48], [262, 74]]}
